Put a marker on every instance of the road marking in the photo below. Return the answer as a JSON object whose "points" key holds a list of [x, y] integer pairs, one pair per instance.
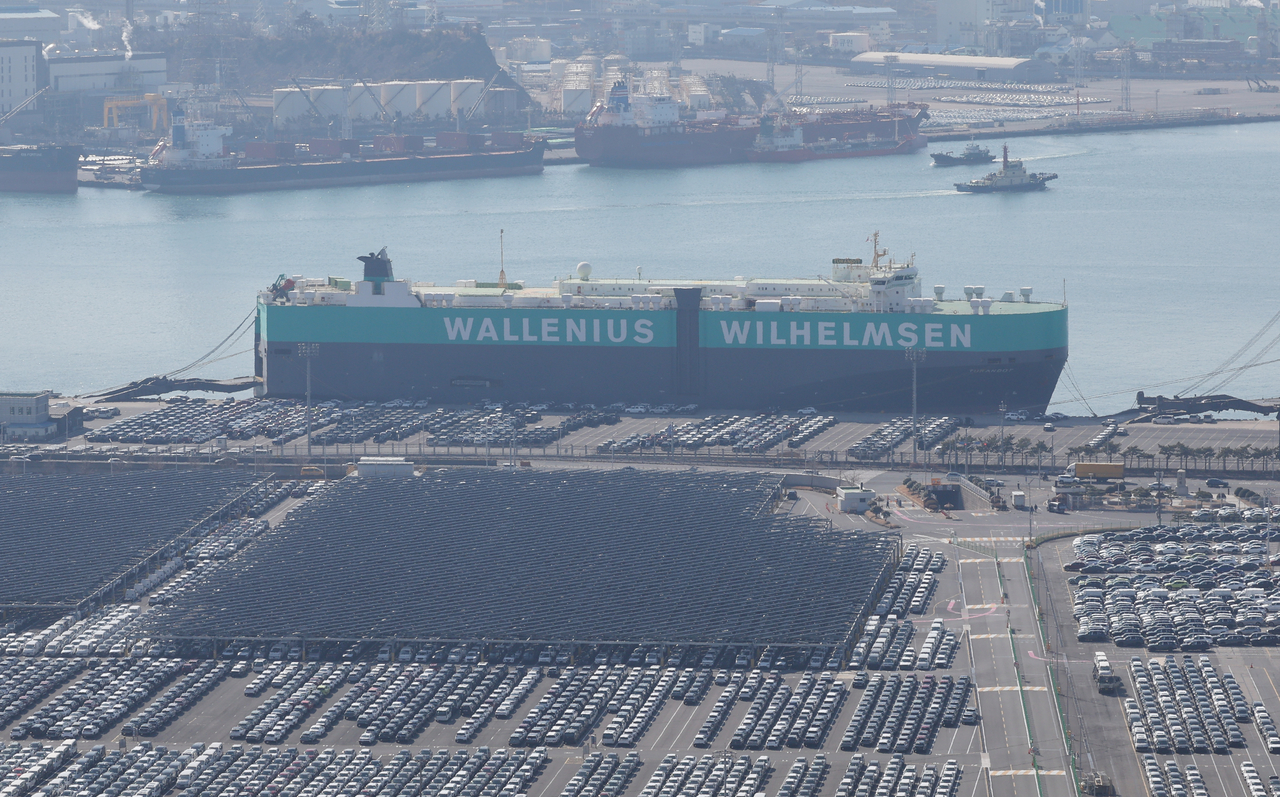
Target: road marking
{"points": [[1005, 559], [1001, 636], [1028, 771], [992, 539], [1013, 688], [973, 606]]}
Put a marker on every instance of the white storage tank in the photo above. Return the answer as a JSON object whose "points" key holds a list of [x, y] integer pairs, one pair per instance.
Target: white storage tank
{"points": [[557, 67], [433, 98], [463, 94], [364, 103], [329, 100], [290, 105], [399, 97]]}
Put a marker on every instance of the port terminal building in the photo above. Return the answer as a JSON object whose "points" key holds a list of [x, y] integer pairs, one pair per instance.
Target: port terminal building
{"points": [[956, 67]]}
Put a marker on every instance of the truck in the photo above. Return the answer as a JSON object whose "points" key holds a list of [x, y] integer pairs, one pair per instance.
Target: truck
{"points": [[1019, 499], [1096, 470]]}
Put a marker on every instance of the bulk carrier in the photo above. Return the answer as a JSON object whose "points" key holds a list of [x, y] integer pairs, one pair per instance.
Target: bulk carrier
{"points": [[195, 161], [42, 169], [836, 343], [645, 130]]}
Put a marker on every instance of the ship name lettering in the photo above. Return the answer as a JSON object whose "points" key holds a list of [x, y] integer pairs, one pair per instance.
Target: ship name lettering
{"points": [[877, 335], [528, 335], [487, 330], [959, 338], [932, 335], [826, 332], [735, 331], [458, 328], [506, 330], [644, 331], [575, 329], [848, 341], [907, 335], [797, 332], [773, 335], [550, 332], [622, 335]]}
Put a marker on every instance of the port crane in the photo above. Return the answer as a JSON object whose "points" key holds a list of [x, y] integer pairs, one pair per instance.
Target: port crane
{"points": [[1260, 85], [18, 108]]}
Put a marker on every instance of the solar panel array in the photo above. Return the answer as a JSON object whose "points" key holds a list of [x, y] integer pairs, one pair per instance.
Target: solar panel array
{"points": [[561, 556], [65, 536]]}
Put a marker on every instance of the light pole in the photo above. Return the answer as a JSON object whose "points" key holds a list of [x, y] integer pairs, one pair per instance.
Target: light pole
{"points": [[1003, 408], [308, 351], [1159, 495], [915, 357]]}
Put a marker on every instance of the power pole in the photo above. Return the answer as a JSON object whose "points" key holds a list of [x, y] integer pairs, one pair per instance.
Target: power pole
{"points": [[1077, 58], [771, 56], [308, 351], [891, 90], [799, 90], [915, 357], [1126, 58]]}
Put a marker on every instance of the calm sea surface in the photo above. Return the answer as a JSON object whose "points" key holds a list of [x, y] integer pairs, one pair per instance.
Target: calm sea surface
{"points": [[1167, 243]]}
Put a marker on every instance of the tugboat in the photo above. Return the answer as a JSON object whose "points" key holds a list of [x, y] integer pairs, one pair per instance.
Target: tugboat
{"points": [[972, 154], [1012, 177]]}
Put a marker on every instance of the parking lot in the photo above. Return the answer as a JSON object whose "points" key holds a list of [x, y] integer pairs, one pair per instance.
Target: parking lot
{"points": [[278, 428]]}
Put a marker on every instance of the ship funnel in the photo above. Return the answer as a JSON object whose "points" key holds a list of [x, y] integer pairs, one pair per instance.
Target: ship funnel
{"points": [[1026, 294], [938, 290], [978, 290], [975, 305], [968, 291], [986, 306], [377, 268]]}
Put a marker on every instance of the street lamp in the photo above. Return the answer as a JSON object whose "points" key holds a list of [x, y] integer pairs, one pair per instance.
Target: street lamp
{"points": [[1003, 408], [308, 351], [915, 357]]}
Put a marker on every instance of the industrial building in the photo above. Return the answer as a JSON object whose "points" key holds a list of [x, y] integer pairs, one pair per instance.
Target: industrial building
{"points": [[22, 72], [29, 22], [25, 416], [115, 72], [956, 67]]}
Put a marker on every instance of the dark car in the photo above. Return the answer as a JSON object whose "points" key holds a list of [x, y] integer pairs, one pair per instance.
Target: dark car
{"points": [[1218, 483]]}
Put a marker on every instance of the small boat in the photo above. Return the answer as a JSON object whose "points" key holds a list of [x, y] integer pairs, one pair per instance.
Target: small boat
{"points": [[972, 154], [1012, 177]]}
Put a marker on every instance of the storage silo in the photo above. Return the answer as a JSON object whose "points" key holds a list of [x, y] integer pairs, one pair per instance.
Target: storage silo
{"points": [[329, 100], [399, 97], [463, 94], [290, 106], [433, 98], [364, 102]]}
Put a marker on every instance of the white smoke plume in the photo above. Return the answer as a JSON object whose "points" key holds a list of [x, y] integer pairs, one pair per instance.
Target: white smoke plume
{"points": [[126, 36], [85, 18]]}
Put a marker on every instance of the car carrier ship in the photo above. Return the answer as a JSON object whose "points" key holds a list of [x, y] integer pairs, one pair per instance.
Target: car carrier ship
{"points": [[836, 343], [42, 169]]}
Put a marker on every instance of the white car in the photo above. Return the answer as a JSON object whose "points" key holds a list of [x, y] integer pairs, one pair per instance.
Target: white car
{"points": [[806, 411]]}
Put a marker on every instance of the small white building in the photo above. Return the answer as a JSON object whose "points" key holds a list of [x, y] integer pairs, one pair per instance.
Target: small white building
{"points": [[854, 499], [384, 468], [25, 416]]}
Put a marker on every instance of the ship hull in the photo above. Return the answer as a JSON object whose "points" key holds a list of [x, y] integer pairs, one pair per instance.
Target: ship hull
{"points": [[943, 159], [39, 170], [723, 142], [787, 361], [969, 188], [325, 174], [804, 154]]}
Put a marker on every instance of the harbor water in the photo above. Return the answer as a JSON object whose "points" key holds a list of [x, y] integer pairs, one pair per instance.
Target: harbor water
{"points": [[1163, 243]]}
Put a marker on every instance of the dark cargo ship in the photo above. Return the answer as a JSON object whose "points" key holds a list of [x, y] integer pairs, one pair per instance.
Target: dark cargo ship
{"points": [[646, 131], [836, 343], [194, 162], [42, 169]]}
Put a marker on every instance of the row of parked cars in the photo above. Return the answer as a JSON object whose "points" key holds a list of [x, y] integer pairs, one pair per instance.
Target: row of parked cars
{"points": [[1171, 782], [903, 714], [602, 775], [1186, 708], [581, 697], [25, 683], [107, 693], [868, 779], [1190, 588], [723, 776]]}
